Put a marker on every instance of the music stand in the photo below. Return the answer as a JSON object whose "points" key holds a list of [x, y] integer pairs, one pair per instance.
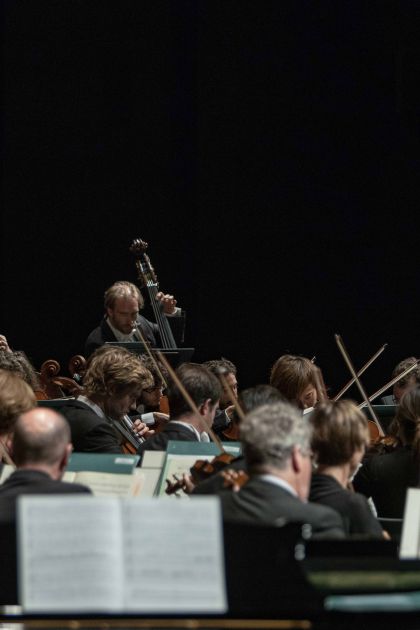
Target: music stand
{"points": [[174, 356]]}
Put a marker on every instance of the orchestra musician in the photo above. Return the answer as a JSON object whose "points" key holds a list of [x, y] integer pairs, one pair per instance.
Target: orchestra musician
{"points": [[340, 436], [224, 414], [40, 448], [297, 380], [123, 303], [112, 384], [403, 385], [184, 425], [16, 397], [276, 442], [386, 475]]}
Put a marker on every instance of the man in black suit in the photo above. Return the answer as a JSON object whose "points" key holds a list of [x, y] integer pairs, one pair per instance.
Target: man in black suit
{"points": [[123, 302], [112, 384], [185, 425], [276, 443], [40, 448]]}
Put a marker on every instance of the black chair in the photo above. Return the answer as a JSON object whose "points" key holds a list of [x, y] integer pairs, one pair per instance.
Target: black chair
{"points": [[263, 578]]}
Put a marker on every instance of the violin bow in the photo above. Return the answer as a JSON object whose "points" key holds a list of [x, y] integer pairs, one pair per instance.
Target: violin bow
{"points": [[391, 383], [150, 353], [4, 454], [360, 372], [349, 364], [189, 400]]}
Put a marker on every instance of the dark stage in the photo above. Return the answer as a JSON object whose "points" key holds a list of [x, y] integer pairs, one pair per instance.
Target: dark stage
{"points": [[268, 152]]}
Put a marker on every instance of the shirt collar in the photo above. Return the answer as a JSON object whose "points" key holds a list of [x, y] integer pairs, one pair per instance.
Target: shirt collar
{"points": [[95, 408], [277, 481]]}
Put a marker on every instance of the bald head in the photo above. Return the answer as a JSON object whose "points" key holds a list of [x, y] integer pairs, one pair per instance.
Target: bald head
{"points": [[41, 438]]}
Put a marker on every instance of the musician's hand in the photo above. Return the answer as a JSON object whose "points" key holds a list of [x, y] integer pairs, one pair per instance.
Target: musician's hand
{"points": [[168, 301], [3, 344], [142, 430], [234, 479]]}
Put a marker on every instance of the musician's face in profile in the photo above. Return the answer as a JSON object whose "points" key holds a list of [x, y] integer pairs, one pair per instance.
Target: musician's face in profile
{"points": [[117, 406], [150, 397], [399, 390], [225, 399], [308, 397], [123, 314]]}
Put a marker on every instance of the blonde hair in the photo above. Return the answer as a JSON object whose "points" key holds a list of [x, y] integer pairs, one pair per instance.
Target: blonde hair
{"points": [[122, 289], [339, 430], [113, 370], [16, 397]]}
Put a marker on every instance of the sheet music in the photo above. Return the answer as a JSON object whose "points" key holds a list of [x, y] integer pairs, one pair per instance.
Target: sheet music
{"points": [[176, 565], [410, 538], [70, 553], [175, 466], [153, 459], [149, 479], [107, 484]]}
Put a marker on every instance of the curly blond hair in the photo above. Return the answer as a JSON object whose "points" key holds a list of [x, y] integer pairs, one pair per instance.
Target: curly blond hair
{"points": [[113, 370]]}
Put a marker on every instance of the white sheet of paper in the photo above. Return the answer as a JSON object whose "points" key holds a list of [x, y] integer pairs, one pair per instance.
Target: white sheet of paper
{"points": [[149, 479], [70, 553], [109, 484], [153, 459], [410, 537], [90, 554], [177, 564]]}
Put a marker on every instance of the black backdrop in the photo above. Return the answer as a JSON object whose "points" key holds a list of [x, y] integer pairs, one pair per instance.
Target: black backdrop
{"points": [[268, 152]]}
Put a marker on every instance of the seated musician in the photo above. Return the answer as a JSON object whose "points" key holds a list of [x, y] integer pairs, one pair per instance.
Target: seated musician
{"points": [[16, 397], [340, 436], [386, 475], [149, 403], [412, 379], [276, 442], [112, 384], [19, 363], [40, 448], [297, 380], [204, 389], [249, 399], [224, 414], [123, 303]]}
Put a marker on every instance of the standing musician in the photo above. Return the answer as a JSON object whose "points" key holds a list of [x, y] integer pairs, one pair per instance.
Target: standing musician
{"points": [[112, 384], [123, 303]]}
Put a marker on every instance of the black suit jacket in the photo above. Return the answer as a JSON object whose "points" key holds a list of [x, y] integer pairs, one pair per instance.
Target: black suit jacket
{"points": [[385, 477], [89, 432], [357, 516], [26, 481], [150, 331], [260, 501], [172, 431]]}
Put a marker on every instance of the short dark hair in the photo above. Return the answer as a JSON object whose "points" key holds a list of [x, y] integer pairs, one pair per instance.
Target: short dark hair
{"points": [[402, 366], [253, 397], [216, 365], [200, 384]]}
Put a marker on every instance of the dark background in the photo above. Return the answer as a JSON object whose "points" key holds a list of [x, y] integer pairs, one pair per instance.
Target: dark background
{"points": [[268, 152]]}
